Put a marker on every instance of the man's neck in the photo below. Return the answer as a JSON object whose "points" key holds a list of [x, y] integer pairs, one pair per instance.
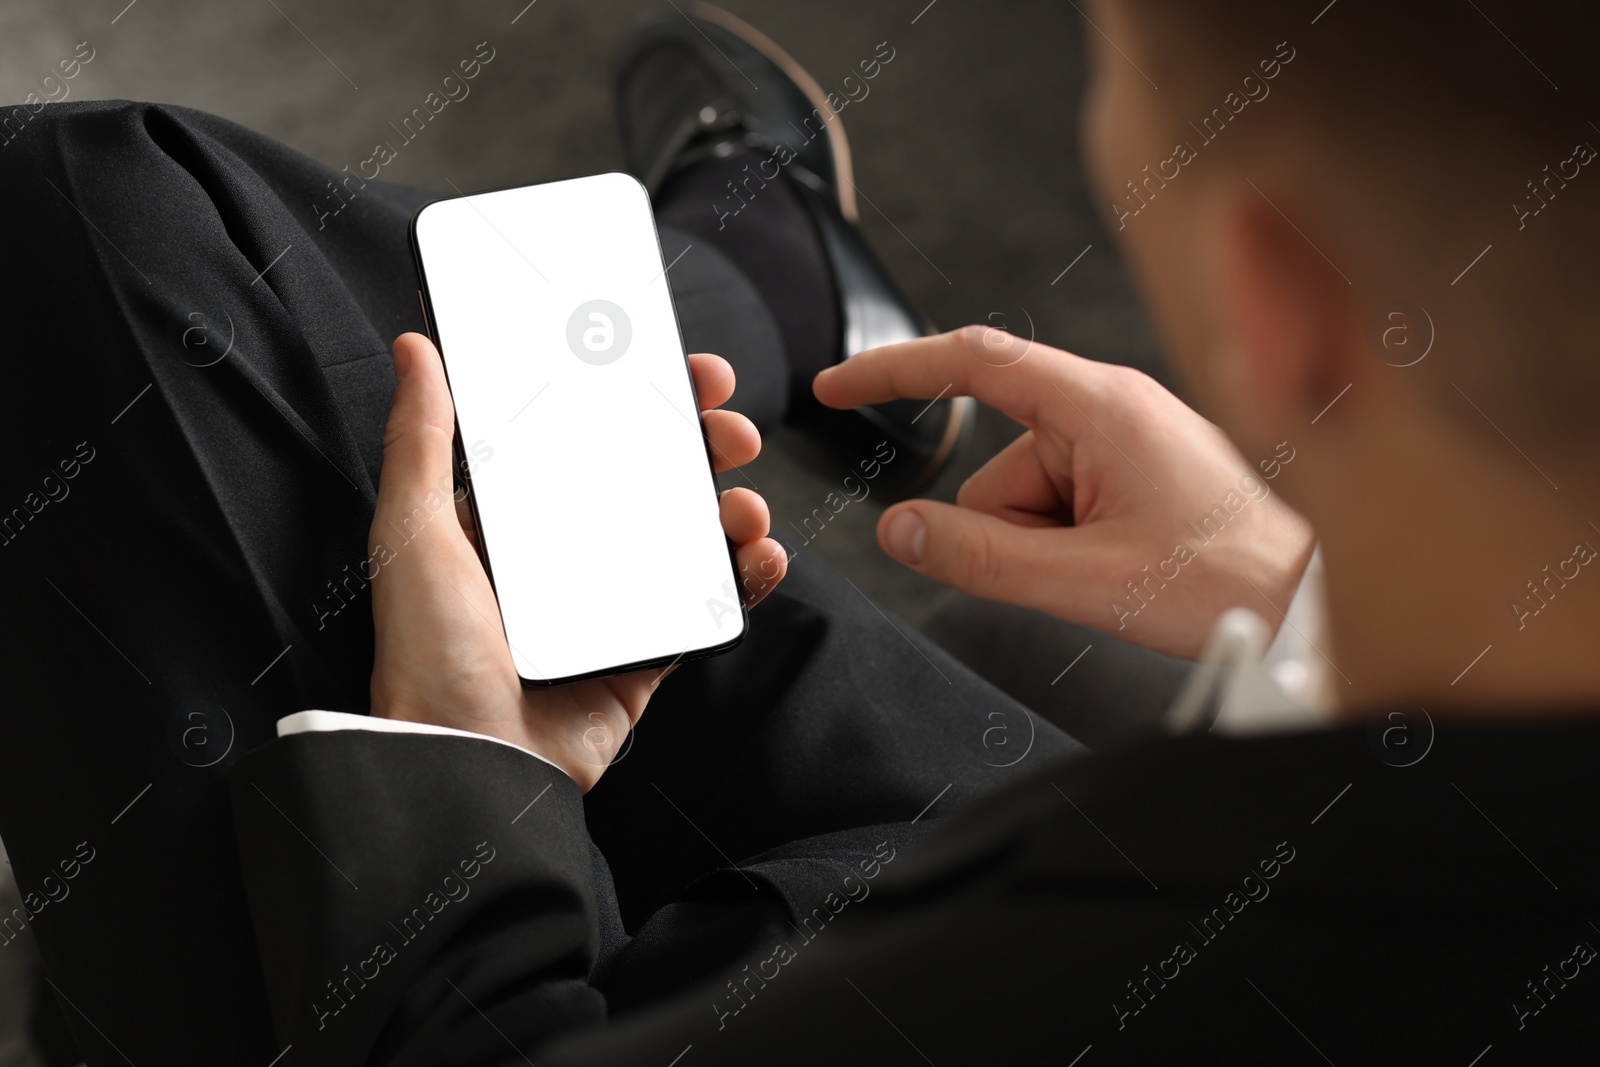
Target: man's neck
{"points": [[1477, 598]]}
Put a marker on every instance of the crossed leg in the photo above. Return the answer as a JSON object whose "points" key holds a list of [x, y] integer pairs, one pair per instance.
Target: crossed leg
{"points": [[198, 382]]}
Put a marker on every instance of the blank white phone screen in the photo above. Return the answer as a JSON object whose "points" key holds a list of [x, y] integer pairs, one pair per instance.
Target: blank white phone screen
{"points": [[579, 425]]}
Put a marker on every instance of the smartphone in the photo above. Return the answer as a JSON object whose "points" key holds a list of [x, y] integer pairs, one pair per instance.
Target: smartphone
{"points": [[577, 428]]}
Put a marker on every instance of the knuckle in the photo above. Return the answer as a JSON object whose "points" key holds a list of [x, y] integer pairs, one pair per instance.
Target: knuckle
{"points": [[424, 437], [972, 336], [994, 345], [1119, 390], [436, 434], [1138, 384]]}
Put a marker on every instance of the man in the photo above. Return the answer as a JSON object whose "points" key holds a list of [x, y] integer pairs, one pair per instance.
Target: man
{"points": [[1415, 877], [1328, 892]]}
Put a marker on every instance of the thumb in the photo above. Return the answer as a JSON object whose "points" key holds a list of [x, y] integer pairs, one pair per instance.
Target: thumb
{"points": [[417, 442], [985, 556]]}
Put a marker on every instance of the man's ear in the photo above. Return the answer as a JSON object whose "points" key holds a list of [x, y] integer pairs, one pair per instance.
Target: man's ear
{"points": [[1289, 315]]}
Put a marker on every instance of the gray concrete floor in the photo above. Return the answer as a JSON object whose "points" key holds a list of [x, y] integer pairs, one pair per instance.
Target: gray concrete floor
{"points": [[966, 145]]}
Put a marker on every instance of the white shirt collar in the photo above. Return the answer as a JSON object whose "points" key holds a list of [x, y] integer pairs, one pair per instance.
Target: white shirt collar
{"points": [[1246, 684]]}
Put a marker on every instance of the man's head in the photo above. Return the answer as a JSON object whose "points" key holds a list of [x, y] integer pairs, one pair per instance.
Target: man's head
{"points": [[1391, 209], [1392, 143]]}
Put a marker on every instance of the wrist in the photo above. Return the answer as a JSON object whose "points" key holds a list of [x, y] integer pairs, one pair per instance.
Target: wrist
{"points": [[485, 724]]}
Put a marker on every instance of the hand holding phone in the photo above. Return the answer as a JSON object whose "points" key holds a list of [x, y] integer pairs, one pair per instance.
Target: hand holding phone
{"points": [[441, 652], [589, 476]]}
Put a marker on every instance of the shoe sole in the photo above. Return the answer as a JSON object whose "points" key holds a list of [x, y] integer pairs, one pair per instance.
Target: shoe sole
{"points": [[960, 416]]}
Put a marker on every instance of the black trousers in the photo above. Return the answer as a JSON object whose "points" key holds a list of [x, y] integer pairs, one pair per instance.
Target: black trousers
{"points": [[196, 384]]}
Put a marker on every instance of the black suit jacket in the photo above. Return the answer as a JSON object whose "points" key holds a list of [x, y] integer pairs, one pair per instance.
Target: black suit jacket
{"points": [[1282, 899]]}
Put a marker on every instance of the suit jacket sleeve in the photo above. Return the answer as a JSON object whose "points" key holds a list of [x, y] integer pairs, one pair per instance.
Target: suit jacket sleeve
{"points": [[404, 888]]}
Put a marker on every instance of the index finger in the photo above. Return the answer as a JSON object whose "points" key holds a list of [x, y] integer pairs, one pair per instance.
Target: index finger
{"points": [[1014, 374]]}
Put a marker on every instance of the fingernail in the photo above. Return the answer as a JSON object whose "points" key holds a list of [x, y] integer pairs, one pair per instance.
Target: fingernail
{"points": [[906, 534], [401, 355]]}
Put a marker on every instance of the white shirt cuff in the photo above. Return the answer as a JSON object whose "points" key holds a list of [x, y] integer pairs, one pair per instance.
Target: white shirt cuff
{"points": [[306, 722]]}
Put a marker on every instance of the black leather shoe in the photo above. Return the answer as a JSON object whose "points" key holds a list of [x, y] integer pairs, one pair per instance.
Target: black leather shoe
{"points": [[704, 85]]}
